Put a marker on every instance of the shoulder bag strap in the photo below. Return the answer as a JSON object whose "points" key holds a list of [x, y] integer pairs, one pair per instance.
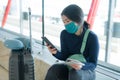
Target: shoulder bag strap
{"points": [[84, 41]]}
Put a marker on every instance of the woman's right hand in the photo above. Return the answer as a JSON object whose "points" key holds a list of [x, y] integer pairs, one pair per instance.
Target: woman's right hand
{"points": [[52, 50], [76, 66]]}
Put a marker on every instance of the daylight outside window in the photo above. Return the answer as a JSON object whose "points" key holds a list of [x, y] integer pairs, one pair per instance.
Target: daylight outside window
{"points": [[53, 23]]}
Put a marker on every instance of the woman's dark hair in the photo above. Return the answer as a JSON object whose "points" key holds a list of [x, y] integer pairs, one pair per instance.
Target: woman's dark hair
{"points": [[74, 13], [86, 24]]}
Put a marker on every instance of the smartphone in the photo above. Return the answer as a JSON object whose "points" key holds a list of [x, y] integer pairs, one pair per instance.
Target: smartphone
{"points": [[48, 42]]}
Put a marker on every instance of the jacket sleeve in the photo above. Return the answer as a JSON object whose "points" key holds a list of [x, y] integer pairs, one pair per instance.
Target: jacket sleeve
{"points": [[62, 55]]}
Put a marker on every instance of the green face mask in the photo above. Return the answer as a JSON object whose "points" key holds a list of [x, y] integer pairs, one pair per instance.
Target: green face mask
{"points": [[71, 27]]}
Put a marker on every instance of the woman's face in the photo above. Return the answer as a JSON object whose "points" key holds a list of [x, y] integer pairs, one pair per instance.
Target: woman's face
{"points": [[72, 26], [65, 19]]}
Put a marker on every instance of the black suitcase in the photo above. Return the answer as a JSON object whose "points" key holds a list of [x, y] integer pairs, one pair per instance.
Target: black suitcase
{"points": [[21, 65], [21, 62]]}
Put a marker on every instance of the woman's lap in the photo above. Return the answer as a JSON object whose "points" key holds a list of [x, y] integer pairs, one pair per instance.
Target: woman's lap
{"points": [[61, 72]]}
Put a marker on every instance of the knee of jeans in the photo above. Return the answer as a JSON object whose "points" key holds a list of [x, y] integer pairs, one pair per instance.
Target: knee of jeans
{"points": [[73, 71], [74, 74], [54, 68]]}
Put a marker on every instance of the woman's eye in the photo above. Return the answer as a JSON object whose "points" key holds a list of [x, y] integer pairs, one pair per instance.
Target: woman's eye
{"points": [[68, 21]]}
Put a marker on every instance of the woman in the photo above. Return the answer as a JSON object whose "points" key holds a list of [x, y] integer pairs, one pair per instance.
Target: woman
{"points": [[71, 41]]}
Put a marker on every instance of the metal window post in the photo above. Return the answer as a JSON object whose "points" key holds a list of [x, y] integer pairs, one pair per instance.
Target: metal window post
{"points": [[43, 20], [109, 30]]}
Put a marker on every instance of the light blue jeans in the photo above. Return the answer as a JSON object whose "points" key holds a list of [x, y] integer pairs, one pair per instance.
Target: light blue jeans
{"points": [[61, 72]]}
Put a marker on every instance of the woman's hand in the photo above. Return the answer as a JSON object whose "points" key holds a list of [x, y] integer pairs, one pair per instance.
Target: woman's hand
{"points": [[76, 66], [52, 50]]}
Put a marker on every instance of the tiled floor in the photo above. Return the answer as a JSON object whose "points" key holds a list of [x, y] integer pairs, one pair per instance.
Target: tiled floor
{"points": [[4, 53]]}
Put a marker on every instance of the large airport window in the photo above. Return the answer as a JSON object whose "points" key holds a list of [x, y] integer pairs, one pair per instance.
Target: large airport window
{"points": [[99, 24], [109, 46], [115, 40], [18, 21]]}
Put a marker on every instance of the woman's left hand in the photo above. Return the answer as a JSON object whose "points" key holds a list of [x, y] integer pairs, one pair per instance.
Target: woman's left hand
{"points": [[76, 66]]}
